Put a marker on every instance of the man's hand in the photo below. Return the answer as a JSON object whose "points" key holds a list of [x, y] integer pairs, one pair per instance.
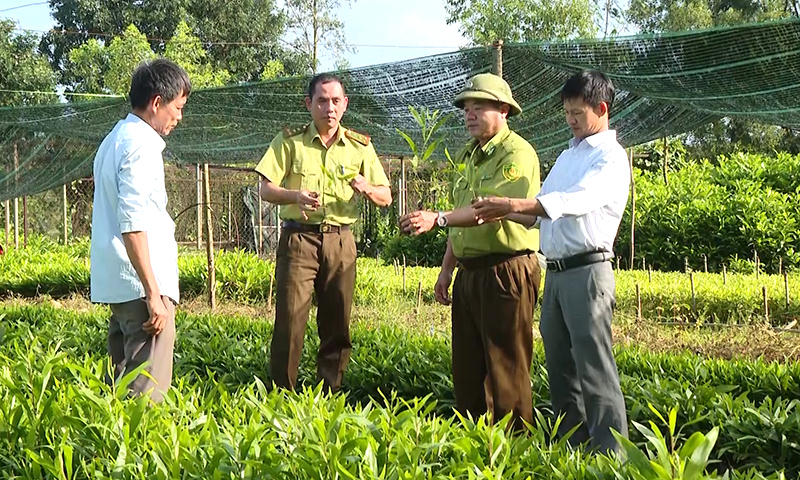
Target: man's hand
{"points": [[417, 223], [158, 316], [492, 209], [441, 291], [307, 201], [360, 185]]}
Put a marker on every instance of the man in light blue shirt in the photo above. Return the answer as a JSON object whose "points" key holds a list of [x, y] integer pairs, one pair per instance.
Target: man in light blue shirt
{"points": [[134, 256]]}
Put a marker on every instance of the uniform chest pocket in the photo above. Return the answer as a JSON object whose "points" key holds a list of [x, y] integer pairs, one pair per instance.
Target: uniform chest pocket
{"points": [[305, 175]]}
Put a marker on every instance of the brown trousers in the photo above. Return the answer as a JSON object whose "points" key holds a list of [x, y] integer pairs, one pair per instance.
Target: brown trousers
{"points": [[493, 339], [321, 263], [129, 346]]}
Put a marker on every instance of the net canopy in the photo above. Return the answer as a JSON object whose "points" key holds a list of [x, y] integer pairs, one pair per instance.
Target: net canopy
{"points": [[666, 84]]}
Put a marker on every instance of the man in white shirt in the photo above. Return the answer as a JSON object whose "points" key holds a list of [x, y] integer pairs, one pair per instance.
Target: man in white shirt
{"points": [[578, 212], [134, 256]]}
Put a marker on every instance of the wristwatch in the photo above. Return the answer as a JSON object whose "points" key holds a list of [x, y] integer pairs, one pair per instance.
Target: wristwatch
{"points": [[441, 219]]}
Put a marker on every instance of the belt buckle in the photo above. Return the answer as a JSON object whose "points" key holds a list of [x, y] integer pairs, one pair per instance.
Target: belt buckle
{"points": [[560, 267], [325, 228]]}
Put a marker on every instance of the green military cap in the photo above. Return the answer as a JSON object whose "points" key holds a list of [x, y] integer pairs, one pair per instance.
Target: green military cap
{"points": [[487, 86]]}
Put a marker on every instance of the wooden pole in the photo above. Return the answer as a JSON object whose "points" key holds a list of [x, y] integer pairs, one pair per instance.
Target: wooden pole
{"points": [[705, 263], [66, 208], [25, 221], [638, 303], [766, 302], [780, 265], [786, 288], [16, 199], [403, 192], [497, 58], [199, 206], [665, 164], [212, 280], [633, 206], [260, 222], [16, 223], [724, 274], [686, 264], [404, 274], [8, 221], [419, 297], [230, 226], [694, 297], [650, 274]]}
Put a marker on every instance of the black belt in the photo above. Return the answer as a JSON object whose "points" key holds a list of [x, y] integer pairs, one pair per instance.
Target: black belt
{"points": [[579, 260], [315, 227], [489, 261]]}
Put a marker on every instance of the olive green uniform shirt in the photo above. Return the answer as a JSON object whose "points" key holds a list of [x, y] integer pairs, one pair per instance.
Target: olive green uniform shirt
{"points": [[297, 159], [506, 166]]}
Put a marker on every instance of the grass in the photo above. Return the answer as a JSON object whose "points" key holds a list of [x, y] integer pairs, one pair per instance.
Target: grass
{"points": [[243, 278]]}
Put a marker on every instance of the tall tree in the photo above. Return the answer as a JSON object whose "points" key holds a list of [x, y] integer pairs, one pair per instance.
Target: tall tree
{"points": [[108, 69], [484, 21], [652, 16], [240, 36], [313, 24], [23, 69]]}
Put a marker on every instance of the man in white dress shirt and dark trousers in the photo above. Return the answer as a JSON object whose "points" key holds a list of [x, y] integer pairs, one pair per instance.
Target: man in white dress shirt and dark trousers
{"points": [[578, 211], [134, 256]]}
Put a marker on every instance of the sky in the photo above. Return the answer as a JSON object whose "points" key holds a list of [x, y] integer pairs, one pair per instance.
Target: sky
{"points": [[381, 31]]}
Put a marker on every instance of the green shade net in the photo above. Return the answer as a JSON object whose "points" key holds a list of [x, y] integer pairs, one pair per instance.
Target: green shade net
{"points": [[666, 84]]}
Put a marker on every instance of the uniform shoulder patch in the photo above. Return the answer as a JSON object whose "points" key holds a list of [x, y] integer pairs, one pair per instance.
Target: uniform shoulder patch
{"points": [[294, 131], [512, 172], [361, 138]]}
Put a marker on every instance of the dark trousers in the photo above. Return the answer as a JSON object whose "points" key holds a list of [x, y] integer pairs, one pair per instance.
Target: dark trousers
{"points": [[307, 263], [129, 347], [492, 338], [576, 331]]}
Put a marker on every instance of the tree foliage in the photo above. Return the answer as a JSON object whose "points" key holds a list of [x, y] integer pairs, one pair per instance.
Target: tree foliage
{"points": [[240, 36], [484, 21], [314, 27], [22, 68]]}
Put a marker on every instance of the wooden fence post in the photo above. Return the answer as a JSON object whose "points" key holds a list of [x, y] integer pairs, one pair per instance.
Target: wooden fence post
{"points": [[66, 209], [497, 58], [212, 280], [199, 175]]}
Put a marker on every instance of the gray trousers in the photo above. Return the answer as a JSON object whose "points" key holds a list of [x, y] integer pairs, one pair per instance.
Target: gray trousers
{"points": [[576, 331], [129, 346]]}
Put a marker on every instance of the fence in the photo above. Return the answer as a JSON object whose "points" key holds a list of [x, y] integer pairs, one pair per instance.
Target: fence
{"points": [[65, 213]]}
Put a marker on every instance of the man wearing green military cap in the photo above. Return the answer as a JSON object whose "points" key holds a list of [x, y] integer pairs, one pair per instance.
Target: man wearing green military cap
{"points": [[496, 288], [317, 172]]}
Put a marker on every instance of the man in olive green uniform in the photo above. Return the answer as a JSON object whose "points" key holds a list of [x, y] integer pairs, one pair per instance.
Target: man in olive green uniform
{"points": [[316, 173], [496, 289]]}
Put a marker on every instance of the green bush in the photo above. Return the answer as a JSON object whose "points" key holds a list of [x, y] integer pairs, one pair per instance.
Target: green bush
{"points": [[426, 250], [746, 204]]}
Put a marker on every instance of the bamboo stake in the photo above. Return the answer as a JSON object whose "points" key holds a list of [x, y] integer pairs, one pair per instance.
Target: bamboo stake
{"points": [[212, 280], [65, 213], [650, 274], [766, 302], [638, 303], [230, 225], [724, 274], [25, 221], [694, 296], [8, 221], [705, 263], [199, 206], [419, 297], [786, 288], [404, 274], [16, 223], [260, 223]]}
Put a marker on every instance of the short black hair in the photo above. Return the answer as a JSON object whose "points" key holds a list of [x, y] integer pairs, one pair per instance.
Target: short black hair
{"points": [[593, 86], [159, 77], [322, 78]]}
